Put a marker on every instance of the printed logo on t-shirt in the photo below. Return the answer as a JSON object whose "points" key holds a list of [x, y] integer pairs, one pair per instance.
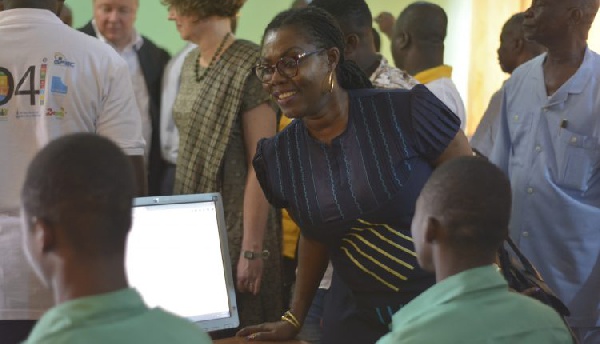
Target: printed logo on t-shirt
{"points": [[61, 60], [59, 114], [58, 86], [5, 85], [27, 114]]}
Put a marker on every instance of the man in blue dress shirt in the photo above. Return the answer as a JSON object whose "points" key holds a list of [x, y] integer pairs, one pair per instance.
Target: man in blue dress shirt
{"points": [[549, 144]]}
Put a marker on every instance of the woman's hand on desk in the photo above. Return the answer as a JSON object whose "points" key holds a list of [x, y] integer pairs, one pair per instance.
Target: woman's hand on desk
{"points": [[275, 331], [249, 275]]}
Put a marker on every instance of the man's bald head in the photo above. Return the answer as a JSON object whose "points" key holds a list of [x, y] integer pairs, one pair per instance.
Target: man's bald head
{"points": [[419, 34], [560, 22], [426, 22]]}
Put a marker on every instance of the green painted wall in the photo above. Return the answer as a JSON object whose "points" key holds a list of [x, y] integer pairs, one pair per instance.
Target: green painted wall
{"points": [[256, 14], [152, 20]]}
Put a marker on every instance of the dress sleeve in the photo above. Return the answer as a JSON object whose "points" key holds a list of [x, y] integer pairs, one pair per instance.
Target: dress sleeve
{"points": [[254, 94], [263, 159], [434, 124]]}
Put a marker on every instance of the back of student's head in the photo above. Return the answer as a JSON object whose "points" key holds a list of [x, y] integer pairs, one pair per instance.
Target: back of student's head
{"points": [[471, 197], [316, 26], [425, 21], [83, 185]]}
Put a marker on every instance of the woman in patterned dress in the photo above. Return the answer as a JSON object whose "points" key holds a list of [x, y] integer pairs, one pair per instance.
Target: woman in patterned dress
{"points": [[221, 112]]}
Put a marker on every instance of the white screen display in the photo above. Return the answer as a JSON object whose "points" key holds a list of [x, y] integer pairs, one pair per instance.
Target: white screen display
{"points": [[174, 260]]}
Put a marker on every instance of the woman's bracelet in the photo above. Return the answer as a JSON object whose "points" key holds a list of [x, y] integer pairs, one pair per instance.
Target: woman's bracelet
{"points": [[291, 318]]}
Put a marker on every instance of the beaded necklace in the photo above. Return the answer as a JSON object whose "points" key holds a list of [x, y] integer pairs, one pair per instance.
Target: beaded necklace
{"points": [[217, 53]]}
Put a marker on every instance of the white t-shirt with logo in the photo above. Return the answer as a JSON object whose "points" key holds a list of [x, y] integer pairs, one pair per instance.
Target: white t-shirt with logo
{"points": [[54, 81]]}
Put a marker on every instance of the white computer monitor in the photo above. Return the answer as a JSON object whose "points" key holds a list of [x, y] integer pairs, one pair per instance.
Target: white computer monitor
{"points": [[177, 258]]}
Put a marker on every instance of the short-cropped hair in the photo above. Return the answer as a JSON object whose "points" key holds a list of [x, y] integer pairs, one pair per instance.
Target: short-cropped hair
{"points": [[83, 184]]}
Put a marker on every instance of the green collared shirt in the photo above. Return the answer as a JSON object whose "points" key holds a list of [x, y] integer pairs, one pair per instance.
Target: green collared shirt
{"points": [[115, 318], [475, 306]]}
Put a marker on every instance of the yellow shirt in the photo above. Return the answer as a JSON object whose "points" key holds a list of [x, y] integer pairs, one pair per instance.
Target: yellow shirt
{"points": [[291, 231], [432, 74]]}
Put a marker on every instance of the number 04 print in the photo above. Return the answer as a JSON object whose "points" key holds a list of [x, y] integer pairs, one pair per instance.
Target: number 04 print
{"points": [[7, 85]]}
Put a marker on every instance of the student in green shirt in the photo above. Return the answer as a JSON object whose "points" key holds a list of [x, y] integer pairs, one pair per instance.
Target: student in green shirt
{"points": [[76, 213], [461, 220]]}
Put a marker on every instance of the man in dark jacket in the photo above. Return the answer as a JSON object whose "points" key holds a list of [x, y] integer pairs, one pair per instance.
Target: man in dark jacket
{"points": [[113, 23]]}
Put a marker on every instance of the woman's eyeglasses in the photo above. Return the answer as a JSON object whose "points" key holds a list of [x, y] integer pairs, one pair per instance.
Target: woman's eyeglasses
{"points": [[286, 66]]}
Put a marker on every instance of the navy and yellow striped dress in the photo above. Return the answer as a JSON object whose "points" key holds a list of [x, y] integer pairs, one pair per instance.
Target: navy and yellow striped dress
{"points": [[358, 196]]}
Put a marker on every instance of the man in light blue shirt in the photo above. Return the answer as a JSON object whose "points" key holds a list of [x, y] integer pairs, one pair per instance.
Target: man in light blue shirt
{"points": [[549, 145], [460, 221], [76, 214]]}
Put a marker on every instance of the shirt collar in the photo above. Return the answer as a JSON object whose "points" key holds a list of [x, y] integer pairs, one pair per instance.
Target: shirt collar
{"points": [[134, 44], [432, 74], [575, 85], [73, 313], [466, 282]]}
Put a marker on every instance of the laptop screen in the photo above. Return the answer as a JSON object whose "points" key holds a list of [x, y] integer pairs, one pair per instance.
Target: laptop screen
{"points": [[177, 258]]}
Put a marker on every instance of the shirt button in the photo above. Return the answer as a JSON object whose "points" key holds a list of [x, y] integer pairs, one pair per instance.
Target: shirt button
{"points": [[530, 190], [516, 118], [538, 148], [574, 139], [525, 234]]}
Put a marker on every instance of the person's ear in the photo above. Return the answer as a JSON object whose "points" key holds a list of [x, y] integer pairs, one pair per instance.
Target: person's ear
{"points": [[402, 40], [352, 42], [333, 57], [434, 231], [519, 45], [576, 16], [43, 236]]}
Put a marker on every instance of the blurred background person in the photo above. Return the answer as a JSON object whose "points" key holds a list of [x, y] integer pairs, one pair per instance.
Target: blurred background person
{"points": [[514, 50], [169, 135], [221, 111], [548, 143], [418, 48], [69, 83], [114, 23]]}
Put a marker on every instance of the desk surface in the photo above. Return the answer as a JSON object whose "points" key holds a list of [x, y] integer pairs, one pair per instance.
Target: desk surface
{"points": [[242, 340]]}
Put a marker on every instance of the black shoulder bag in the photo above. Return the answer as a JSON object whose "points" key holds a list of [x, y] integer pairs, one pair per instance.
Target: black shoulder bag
{"points": [[521, 275]]}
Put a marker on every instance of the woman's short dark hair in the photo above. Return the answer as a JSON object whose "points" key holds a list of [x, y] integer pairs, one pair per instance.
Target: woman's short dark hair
{"points": [[322, 30], [206, 8]]}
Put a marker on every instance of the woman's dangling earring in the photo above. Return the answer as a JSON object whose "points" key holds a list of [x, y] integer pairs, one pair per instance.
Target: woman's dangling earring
{"points": [[331, 82]]}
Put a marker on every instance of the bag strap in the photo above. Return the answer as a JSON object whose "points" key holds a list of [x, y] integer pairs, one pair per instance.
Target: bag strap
{"points": [[526, 263], [503, 256]]}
